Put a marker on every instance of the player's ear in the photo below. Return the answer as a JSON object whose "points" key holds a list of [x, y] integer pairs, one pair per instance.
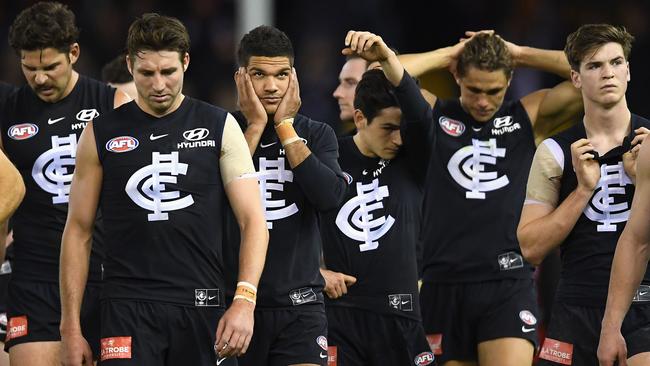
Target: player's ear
{"points": [[186, 61], [360, 120]]}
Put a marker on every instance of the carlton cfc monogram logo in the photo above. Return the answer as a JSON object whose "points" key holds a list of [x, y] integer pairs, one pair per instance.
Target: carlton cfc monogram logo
{"points": [[467, 167], [147, 188], [613, 180], [53, 170], [355, 219], [273, 170]]}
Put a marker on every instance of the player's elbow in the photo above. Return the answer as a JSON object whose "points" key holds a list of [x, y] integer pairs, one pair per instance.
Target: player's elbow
{"points": [[334, 196]]}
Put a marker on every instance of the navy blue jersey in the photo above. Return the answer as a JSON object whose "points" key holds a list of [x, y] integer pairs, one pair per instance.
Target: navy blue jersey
{"points": [[163, 202], [372, 235], [41, 140], [588, 251], [475, 190], [292, 199]]}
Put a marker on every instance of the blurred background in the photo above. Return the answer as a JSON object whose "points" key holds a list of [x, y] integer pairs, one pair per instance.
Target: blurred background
{"points": [[317, 29]]}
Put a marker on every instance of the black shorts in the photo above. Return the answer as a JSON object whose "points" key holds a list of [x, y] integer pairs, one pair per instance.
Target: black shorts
{"points": [[155, 334], [363, 338], [34, 313], [574, 332], [457, 317], [5, 276], [288, 336]]}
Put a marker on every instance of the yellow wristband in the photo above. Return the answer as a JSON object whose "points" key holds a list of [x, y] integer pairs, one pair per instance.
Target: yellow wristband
{"points": [[290, 140], [252, 301]]}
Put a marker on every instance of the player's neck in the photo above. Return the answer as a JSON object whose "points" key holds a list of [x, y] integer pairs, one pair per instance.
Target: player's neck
{"points": [[363, 149], [74, 77], [611, 120], [607, 127]]}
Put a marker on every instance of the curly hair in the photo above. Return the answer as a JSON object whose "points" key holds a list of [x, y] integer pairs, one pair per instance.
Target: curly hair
{"points": [[155, 32], [264, 41], [589, 37], [486, 52], [44, 25]]}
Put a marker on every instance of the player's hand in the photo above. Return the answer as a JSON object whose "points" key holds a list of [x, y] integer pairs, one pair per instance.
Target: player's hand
{"points": [[630, 157], [368, 46], [235, 329], [75, 350], [290, 103], [514, 49], [611, 348], [247, 101], [336, 283], [587, 169]]}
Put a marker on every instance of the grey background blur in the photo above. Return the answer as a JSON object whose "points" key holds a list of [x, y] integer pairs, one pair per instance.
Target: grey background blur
{"points": [[317, 29]]}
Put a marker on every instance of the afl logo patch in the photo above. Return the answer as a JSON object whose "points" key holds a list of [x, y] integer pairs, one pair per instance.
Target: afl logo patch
{"points": [[527, 317], [348, 177], [22, 131], [122, 144], [451, 126], [424, 358], [322, 342]]}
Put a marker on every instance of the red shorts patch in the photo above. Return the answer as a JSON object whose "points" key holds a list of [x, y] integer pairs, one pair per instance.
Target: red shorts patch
{"points": [[16, 327], [115, 347], [435, 342], [331, 356], [556, 351]]}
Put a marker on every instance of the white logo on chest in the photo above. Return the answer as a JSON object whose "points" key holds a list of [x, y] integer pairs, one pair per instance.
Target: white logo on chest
{"points": [[53, 169], [356, 221], [467, 167], [147, 189], [272, 177], [613, 180]]}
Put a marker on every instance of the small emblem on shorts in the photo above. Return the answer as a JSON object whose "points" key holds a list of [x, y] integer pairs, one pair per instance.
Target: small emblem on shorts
{"points": [[510, 260], [16, 327], [435, 342], [642, 294], [206, 297], [322, 342], [115, 347], [402, 302], [527, 317], [556, 351], [302, 296], [424, 358], [348, 177], [332, 354]]}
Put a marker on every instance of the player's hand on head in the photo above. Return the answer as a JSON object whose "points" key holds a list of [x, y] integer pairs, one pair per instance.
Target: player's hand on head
{"points": [[247, 101], [585, 165], [368, 46], [291, 102], [336, 283], [611, 348], [75, 351], [235, 329]]}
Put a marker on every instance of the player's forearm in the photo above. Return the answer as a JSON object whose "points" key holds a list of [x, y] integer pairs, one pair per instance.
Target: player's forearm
{"points": [[12, 188], [545, 60], [417, 64], [252, 253], [393, 69], [317, 178], [75, 254], [539, 237], [253, 134]]}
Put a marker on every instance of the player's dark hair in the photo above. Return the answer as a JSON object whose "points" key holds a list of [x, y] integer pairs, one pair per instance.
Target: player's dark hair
{"points": [[374, 93], [487, 52], [264, 41], [44, 25], [155, 32], [116, 71], [588, 38]]}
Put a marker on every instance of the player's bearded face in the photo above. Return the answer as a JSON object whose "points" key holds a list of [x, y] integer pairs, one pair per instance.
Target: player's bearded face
{"points": [[603, 75], [482, 92], [48, 73], [270, 78], [158, 77]]}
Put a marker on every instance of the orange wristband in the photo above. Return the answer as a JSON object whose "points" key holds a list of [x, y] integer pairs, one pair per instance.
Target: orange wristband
{"points": [[285, 131], [246, 291]]}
